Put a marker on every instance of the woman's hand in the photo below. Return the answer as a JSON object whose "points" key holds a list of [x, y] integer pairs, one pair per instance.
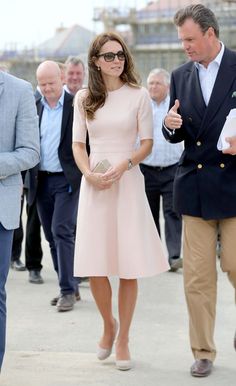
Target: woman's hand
{"points": [[102, 181], [114, 173], [98, 180]]}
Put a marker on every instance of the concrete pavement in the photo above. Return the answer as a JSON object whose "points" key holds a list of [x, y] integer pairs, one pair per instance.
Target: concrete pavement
{"points": [[47, 348]]}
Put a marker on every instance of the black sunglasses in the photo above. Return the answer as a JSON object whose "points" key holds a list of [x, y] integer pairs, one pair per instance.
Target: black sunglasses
{"points": [[110, 56]]}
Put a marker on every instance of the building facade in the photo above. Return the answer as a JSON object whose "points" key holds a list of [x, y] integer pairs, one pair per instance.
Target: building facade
{"points": [[152, 34], [149, 32]]}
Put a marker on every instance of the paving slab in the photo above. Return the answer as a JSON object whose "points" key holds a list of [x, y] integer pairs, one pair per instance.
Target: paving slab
{"points": [[48, 348]]}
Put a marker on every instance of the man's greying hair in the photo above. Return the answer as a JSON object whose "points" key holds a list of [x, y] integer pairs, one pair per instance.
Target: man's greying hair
{"points": [[160, 71], [200, 14], [74, 60]]}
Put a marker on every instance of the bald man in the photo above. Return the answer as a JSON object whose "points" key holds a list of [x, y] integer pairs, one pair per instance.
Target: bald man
{"points": [[56, 181]]}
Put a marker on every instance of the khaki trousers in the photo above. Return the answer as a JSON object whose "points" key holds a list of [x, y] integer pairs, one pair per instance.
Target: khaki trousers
{"points": [[200, 276]]}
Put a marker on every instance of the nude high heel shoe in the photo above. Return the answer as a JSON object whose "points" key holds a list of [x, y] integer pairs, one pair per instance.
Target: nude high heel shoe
{"points": [[104, 353], [124, 365]]}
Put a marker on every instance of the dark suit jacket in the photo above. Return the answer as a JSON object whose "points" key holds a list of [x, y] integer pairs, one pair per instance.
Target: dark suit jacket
{"points": [[65, 154], [205, 183]]}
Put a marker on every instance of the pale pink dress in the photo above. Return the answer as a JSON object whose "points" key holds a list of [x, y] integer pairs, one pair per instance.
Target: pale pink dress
{"points": [[116, 234]]}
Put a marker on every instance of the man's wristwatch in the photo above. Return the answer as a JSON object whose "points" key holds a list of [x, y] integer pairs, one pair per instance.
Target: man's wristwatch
{"points": [[130, 164]]}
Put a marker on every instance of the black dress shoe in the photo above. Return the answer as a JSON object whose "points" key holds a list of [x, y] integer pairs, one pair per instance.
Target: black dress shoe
{"points": [[35, 277], [18, 265], [201, 368]]}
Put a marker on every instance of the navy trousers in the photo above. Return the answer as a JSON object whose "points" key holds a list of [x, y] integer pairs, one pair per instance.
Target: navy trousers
{"points": [[57, 208], [33, 248], [6, 237], [159, 183]]}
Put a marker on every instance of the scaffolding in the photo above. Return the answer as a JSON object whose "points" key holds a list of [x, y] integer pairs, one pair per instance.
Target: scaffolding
{"points": [[151, 33]]}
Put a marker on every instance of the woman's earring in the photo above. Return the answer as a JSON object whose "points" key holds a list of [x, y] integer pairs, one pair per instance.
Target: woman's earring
{"points": [[99, 69]]}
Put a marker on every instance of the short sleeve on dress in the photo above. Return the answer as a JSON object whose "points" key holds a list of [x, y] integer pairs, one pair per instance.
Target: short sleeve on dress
{"points": [[145, 117], [79, 120]]}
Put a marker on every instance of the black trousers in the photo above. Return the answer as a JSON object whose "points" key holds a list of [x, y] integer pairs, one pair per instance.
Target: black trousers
{"points": [[33, 249], [159, 183]]}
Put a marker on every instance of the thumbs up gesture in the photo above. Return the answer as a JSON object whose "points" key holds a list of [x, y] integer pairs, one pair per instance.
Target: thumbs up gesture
{"points": [[173, 120]]}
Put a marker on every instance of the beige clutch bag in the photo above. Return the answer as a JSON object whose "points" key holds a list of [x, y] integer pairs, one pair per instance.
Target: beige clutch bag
{"points": [[102, 166]]}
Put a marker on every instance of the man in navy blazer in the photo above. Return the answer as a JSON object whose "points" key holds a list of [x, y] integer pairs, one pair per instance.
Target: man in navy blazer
{"points": [[201, 96], [56, 180]]}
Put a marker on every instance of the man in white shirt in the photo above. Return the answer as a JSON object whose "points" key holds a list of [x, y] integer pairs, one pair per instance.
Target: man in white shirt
{"points": [[160, 166], [74, 74], [74, 79], [201, 96]]}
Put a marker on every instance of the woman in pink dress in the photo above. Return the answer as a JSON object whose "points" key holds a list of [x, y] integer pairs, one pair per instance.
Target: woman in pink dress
{"points": [[116, 234]]}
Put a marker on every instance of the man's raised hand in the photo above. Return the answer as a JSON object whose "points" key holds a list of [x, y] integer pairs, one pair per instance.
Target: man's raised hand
{"points": [[173, 120]]}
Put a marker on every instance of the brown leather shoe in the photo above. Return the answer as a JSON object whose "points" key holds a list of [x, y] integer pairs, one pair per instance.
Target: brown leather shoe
{"points": [[201, 368]]}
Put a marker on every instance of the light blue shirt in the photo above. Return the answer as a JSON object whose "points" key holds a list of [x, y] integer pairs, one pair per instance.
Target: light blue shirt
{"points": [[207, 76], [50, 134], [163, 153]]}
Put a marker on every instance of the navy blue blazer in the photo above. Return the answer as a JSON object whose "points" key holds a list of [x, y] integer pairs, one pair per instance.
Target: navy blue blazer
{"points": [[205, 182], [65, 154]]}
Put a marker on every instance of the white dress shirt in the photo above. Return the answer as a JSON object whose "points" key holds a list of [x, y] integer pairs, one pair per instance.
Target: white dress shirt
{"points": [[163, 153], [207, 76]]}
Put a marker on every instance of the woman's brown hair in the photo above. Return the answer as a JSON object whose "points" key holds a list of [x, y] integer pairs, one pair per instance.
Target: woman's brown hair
{"points": [[97, 93]]}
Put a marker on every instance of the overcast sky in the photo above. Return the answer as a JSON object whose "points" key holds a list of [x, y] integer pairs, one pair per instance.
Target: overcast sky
{"points": [[29, 22]]}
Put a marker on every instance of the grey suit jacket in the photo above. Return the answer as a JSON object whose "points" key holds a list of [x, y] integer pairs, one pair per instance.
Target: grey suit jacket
{"points": [[19, 144]]}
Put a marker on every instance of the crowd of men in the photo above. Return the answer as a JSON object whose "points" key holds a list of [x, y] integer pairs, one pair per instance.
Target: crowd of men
{"points": [[195, 180]]}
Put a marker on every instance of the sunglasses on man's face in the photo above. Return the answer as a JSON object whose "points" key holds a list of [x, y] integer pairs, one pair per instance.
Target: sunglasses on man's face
{"points": [[110, 56]]}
